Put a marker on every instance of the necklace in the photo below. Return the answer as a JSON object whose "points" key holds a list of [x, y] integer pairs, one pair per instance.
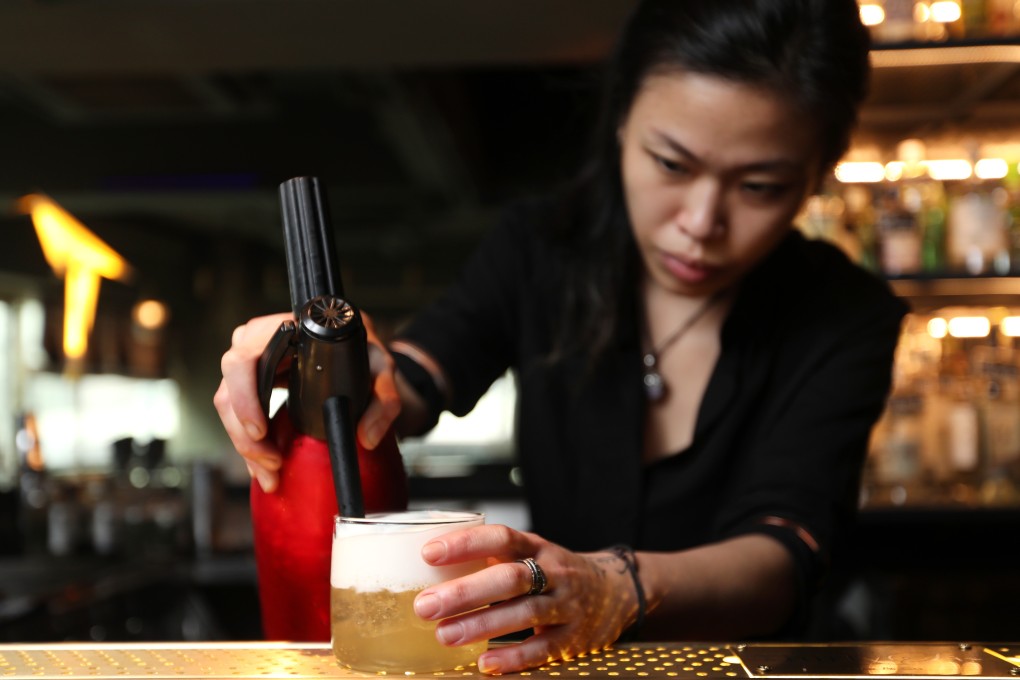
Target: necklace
{"points": [[655, 386]]}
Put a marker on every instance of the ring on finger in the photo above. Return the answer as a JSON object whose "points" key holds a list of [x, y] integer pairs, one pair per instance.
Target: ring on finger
{"points": [[538, 580]]}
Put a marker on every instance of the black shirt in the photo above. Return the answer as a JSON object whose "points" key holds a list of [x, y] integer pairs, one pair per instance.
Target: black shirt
{"points": [[781, 434]]}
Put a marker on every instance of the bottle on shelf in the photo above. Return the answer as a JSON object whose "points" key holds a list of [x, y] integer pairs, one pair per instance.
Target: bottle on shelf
{"points": [[977, 241], [860, 221], [925, 199], [825, 217], [1011, 186], [899, 234], [939, 20], [933, 228], [975, 18], [960, 433], [1003, 18], [1000, 430], [899, 24], [895, 459]]}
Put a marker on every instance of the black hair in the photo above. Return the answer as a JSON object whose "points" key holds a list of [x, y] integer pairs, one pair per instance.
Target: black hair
{"points": [[814, 53]]}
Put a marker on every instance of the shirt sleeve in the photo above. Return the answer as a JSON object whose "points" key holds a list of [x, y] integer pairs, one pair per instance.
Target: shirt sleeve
{"points": [[798, 481], [472, 331]]}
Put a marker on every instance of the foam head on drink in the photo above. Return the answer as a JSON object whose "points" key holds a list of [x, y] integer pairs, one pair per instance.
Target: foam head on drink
{"points": [[377, 570]]}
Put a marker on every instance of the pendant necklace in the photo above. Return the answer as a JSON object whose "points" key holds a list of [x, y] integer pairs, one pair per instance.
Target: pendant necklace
{"points": [[655, 386]]}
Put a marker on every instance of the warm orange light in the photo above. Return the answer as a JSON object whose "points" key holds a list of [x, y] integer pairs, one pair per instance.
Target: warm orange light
{"points": [[991, 168], [951, 169], [872, 14], [894, 170], [860, 172], [938, 328], [970, 327], [151, 314], [1010, 326], [946, 11], [82, 258], [81, 293]]}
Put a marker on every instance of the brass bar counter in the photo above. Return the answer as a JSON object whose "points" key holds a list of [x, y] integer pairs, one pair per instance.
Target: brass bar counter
{"points": [[631, 661]]}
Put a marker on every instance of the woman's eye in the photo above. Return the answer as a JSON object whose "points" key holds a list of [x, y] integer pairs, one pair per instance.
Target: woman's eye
{"points": [[764, 190], [669, 165]]}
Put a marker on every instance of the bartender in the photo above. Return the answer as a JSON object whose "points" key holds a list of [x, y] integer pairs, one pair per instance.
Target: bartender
{"points": [[697, 381]]}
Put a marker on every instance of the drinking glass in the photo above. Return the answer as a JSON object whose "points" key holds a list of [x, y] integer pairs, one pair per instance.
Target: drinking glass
{"points": [[377, 570]]}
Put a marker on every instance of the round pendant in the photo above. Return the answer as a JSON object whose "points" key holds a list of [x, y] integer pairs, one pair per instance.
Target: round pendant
{"points": [[655, 388]]}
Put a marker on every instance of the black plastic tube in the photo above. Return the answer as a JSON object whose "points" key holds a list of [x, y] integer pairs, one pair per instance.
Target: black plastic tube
{"points": [[343, 456], [312, 265]]}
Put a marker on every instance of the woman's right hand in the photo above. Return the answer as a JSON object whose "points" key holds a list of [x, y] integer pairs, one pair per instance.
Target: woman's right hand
{"points": [[237, 399], [239, 408]]}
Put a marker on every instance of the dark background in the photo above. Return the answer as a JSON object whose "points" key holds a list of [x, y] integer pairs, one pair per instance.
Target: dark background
{"points": [[166, 127]]}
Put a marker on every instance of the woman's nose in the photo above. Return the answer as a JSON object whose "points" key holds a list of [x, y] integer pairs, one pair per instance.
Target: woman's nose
{"points": [[701, 216]]}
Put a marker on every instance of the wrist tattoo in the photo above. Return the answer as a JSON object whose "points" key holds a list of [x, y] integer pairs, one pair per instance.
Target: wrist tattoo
{"points": [[625, 554], [604, 560]]}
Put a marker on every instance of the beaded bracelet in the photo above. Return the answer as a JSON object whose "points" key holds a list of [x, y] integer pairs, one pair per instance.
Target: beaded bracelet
{"points": [[626, 555]]}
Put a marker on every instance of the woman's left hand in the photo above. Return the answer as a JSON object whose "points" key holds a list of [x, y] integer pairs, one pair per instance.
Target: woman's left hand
{"points": [[588, 601]]}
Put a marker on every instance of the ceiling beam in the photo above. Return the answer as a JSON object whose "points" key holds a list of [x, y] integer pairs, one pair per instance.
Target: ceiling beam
{"points": [[189, 36]]}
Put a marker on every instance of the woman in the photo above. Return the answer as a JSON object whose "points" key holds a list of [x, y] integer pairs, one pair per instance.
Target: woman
{"points": [[696, 380]]}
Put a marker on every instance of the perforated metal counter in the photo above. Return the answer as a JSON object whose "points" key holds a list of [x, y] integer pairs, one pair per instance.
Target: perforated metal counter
{"points": [[638, 661]]}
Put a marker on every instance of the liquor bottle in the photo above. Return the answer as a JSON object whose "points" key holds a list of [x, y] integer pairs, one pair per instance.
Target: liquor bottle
{"points": [[977, 241], [899, 24], [860, 220], [933, 227], [897, 464], [961, 425], [899, 235], [1002, 18], [1000, 429], [975, 18], [1011, 184]]}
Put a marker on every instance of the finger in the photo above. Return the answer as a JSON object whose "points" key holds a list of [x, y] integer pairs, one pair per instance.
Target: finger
{"points": [[539, 649], [385, 406], [238, 366], [504, 618], [252, 337], [380, 412], [268, 480], [373, 337], [379, 358], [260, 453], [488, 541], [244, 404], [237, 337], [497, 583]]}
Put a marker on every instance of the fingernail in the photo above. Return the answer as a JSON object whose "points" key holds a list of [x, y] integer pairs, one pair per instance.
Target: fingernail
{"points": [[253, 430], [488, 664], [433, 551], [426, 606], [267, 480], [373, 433], [450, 633]]}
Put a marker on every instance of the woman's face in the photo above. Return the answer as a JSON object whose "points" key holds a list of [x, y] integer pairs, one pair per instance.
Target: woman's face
{"points": [[713, 173]]}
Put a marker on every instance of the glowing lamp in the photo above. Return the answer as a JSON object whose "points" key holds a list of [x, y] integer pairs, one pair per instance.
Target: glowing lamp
{"points": [[82, 258]]}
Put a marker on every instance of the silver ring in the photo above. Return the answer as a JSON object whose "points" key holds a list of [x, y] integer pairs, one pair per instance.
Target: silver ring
{"points": [[538, 580]]}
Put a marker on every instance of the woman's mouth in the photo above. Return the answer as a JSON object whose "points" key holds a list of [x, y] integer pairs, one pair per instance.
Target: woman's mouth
{"points": [[688, 271]]}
